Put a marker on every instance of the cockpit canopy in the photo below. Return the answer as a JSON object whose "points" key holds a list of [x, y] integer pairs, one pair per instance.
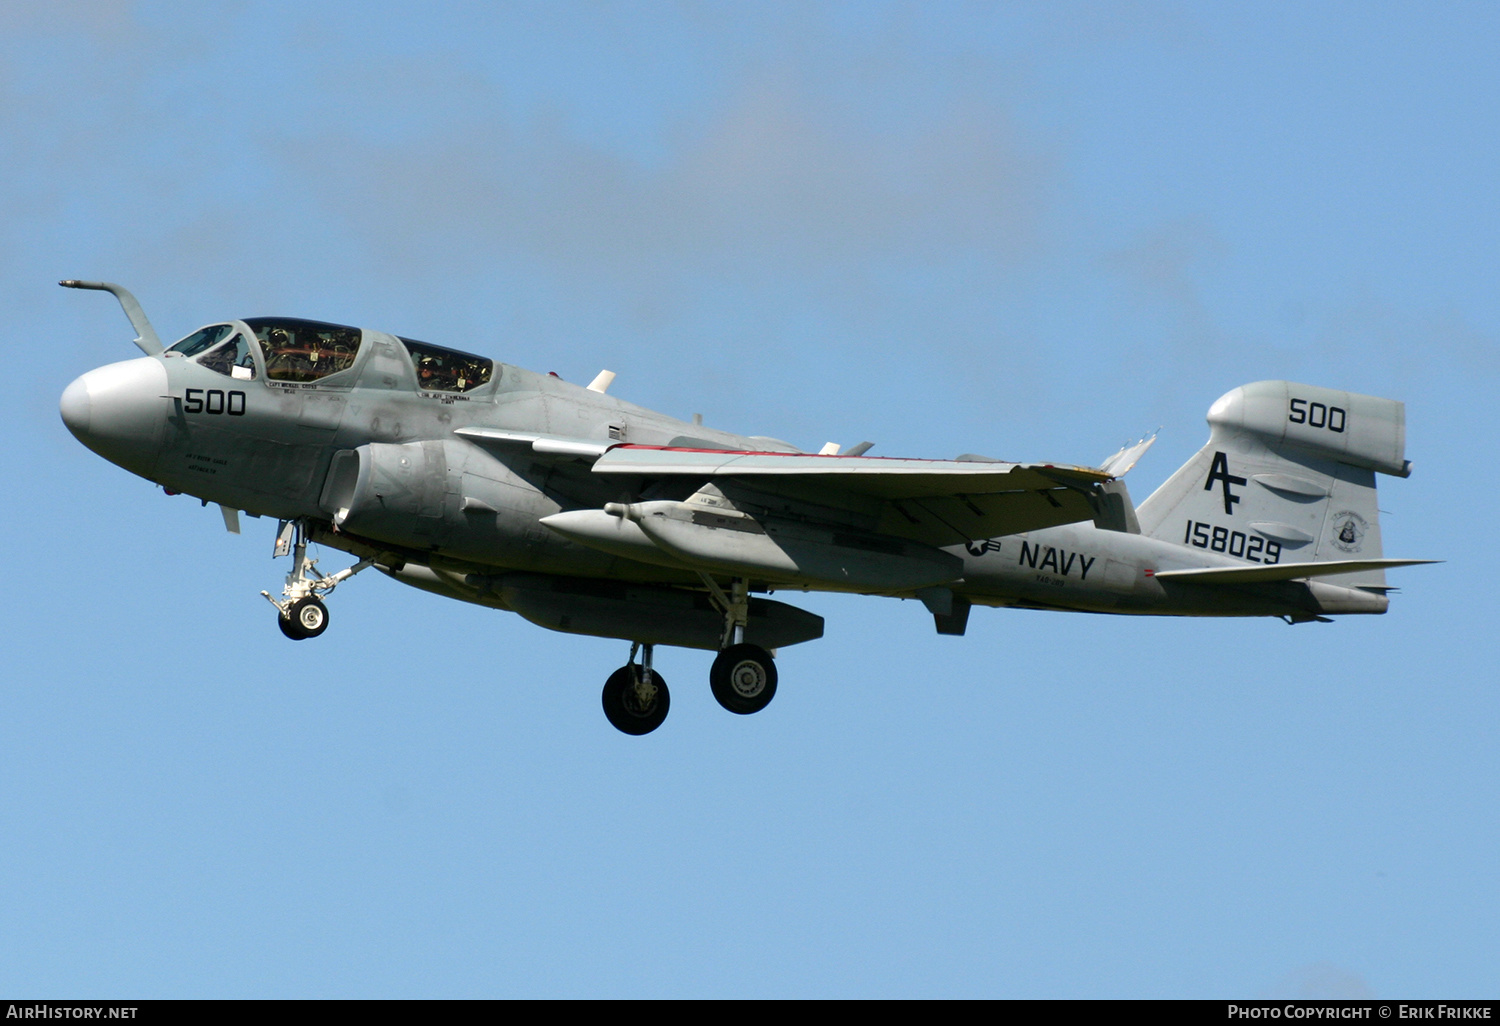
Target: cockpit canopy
{"points": [[297, 350], [293, 350], [447, 370], [302, 351]]}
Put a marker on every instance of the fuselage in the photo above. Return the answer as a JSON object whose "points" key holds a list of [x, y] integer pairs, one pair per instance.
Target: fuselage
{"points": [[258, 426]]}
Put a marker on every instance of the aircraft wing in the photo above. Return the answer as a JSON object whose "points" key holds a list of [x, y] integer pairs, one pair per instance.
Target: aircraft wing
{"points": [[939, 502]]}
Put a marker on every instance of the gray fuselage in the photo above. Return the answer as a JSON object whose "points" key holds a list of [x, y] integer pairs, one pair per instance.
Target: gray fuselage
{"points": [[451, 515]]}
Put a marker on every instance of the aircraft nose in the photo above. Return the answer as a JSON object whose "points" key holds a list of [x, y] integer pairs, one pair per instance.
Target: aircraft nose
{"points": [[118, 411], [75, 408]]}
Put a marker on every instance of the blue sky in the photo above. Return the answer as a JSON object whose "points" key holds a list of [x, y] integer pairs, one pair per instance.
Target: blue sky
{"points": [[1033, 231]]}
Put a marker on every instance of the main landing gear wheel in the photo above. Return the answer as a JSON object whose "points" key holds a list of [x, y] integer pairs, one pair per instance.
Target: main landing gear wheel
{"points": [[636, 699], [743, 678], [307, 619]]}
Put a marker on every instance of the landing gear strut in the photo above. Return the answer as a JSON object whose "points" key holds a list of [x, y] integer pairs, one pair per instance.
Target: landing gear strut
{"points": [[743, 677], [301, 612], [636, 699]]}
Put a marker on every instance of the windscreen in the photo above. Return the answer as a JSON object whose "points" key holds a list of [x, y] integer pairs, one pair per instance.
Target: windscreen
{"points": [[201, 339], [231, 358]]}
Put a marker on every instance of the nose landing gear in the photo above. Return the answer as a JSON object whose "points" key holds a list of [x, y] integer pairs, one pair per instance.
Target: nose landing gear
{"points": [[301, 612]]}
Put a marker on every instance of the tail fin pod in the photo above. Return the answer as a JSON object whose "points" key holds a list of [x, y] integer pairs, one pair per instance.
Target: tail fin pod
{"points": [[1358, 430], [1288, 474]]}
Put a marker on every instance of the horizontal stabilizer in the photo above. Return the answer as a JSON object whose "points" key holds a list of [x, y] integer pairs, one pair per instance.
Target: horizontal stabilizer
{"points": [[1283, 571]]}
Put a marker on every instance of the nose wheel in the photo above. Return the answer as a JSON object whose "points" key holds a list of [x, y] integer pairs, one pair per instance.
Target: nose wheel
{"points": [[307, 618]]}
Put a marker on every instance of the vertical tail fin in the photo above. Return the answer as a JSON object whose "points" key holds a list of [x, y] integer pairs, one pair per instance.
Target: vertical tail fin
{"points": [[1288, 475]]}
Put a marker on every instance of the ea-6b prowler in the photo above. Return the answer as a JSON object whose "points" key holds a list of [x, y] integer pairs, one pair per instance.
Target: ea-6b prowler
{"points": [[587, 514]]}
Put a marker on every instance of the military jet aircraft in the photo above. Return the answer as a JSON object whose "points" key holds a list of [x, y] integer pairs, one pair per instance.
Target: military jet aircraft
{"points": [[584, 513]]}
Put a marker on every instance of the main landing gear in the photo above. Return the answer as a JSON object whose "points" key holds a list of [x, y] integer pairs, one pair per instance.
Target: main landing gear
{"points": [[743, 676], [301, 612], [635, 697]]}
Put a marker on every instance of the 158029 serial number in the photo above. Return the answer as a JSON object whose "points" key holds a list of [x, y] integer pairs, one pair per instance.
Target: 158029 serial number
{"points": [[1238, 544]]}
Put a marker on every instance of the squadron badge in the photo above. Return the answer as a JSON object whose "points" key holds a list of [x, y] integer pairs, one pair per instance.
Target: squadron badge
{"points": [[1349, 530]]}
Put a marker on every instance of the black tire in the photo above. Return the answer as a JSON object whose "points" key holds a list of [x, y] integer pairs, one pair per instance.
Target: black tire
{"points": [[743, 679], [290, 628], [310, 616], [623, 704]]}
